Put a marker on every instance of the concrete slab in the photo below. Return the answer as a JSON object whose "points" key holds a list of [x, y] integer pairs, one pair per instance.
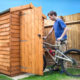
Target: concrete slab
{"points": [[21, 76], [24, 75]]}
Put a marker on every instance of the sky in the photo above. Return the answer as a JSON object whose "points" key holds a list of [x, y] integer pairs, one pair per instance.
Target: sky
{"points": [[62, 7]]}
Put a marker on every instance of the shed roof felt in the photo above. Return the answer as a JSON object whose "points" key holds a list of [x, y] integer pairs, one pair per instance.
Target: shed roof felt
{"points": [[28, 6], [5, 11]]}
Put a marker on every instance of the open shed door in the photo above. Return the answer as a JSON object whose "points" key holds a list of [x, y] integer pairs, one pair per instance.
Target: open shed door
{"points": [[31, 41]]}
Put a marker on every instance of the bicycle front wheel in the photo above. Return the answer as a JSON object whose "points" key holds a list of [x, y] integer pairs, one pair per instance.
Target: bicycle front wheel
{"points": [[72, 68]]}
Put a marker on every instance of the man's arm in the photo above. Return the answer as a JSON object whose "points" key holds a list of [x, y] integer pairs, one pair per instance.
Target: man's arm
{"points": [[49, 32]]}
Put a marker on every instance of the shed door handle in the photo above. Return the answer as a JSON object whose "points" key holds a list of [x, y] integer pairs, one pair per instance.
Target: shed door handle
{"points": [[39, 35]]}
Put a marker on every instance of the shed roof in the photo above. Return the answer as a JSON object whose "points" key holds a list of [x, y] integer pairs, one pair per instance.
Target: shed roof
{"points": [[28, 6], [5, 11]]}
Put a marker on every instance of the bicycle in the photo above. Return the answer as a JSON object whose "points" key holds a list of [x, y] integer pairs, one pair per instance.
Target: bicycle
{"points": [[69, 64]]}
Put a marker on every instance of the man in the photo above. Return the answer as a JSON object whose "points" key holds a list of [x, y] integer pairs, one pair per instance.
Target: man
{"points": [[59, 28]]}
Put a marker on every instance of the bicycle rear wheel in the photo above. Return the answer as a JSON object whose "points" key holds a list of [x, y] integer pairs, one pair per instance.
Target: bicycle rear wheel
{"points": [[44, 62], [72, 68]]}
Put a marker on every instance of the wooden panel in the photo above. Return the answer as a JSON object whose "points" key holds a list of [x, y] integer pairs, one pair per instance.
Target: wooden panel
{"points": [[4, 41], [15, 16], [5, 71], [4, 37], [4, 48], [15, 59], [31, 46], [15, 68], [6, 14], [15, 39], [4, 33], [15, 64], [73, 41], [15, 35], [15, 27], [4, 21], [21, 7], [15, 31], [4, 56], [15, 20], [15, 43], [73, 31], [4, 44], [16, 13], [15, 23], [4, 52], [40, 55], [5, 68], [16, 55], [4, 17], [4, 29], [4, 63], [4, 25], [15, 47], [51, 38], [14, 51], [15, 73]]}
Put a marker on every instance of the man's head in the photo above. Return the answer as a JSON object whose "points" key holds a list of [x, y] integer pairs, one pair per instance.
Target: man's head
{"points": [[52, 15]]}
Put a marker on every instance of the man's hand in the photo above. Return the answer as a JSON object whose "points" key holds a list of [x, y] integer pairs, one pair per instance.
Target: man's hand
{"points": [[65, 31], [45, 37], [59, 38]]}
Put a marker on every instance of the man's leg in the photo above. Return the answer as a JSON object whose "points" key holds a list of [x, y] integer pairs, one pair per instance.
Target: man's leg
{"points": [[63, 46]]}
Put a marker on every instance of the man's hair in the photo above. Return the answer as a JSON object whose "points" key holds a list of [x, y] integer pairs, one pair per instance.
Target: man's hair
{"points": [[51, 13]]}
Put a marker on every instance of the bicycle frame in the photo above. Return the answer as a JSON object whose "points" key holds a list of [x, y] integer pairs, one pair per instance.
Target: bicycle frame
{"points": [[58, 53]]}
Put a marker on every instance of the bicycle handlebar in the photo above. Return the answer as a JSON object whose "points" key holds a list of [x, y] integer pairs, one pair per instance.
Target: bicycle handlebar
{"points": [[50, 44]]}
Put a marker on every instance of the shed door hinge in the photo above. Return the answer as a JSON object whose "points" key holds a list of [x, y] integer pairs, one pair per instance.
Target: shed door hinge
{"points": [[23, 14], [23, 67], [23, 40]]}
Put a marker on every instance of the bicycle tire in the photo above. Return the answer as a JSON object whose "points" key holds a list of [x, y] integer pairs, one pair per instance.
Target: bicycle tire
{"points": [[44, 62], [68, 67]]}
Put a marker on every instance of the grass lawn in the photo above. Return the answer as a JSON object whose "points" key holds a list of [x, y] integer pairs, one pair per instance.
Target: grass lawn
{"points": [[47, 76], [4, 77], [51, 76]]}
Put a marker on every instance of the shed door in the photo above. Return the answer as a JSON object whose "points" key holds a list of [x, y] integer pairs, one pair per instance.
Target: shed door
{"points": [[31, 41]]}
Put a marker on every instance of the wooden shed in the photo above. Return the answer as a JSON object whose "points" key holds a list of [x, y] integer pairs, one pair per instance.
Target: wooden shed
{"points": [[21, 44]]}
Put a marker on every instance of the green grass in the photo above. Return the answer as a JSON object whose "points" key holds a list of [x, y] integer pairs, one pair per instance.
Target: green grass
{"points": [[4, 77], [47, 76], [51, 76]]}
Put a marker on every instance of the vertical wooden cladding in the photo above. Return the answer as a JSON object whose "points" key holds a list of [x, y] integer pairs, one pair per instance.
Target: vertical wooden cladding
{"points": [[51, 38], [31, 43], [73, 30]]}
